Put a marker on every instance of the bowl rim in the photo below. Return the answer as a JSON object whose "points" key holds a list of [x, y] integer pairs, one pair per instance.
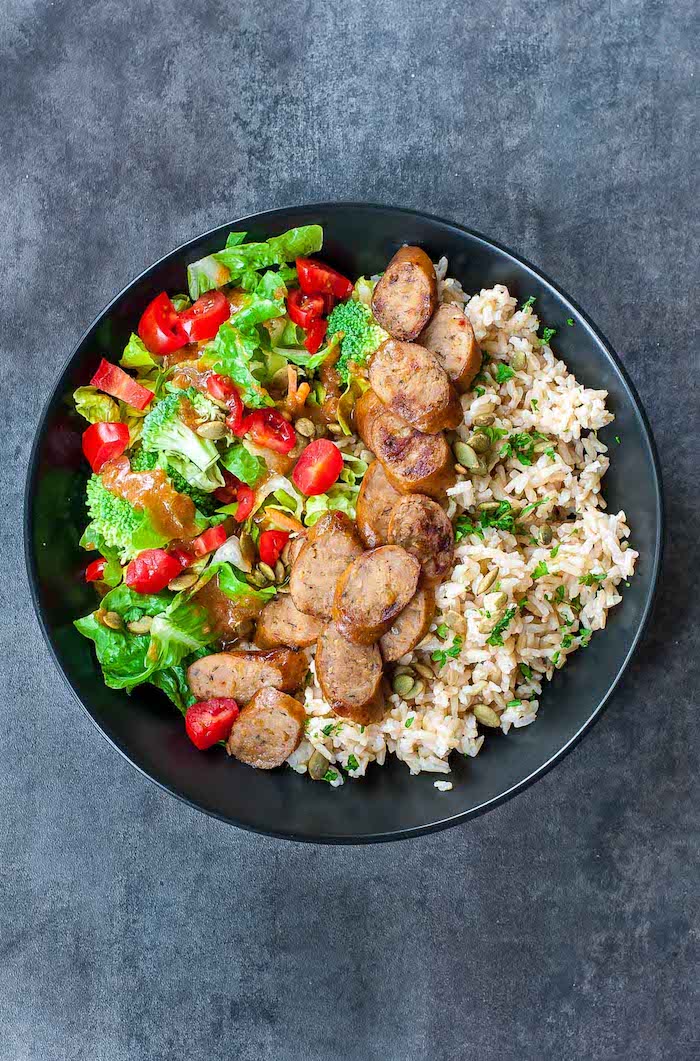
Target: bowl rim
{"points": [[460, 817]]}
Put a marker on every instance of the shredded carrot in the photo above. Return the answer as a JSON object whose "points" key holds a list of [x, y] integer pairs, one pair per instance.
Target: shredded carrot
{"points": [[282, 520], [291, 383], [302, 394]]}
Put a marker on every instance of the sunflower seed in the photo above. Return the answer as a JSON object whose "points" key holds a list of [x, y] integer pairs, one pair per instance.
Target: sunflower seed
{"points": [[487, 580], [335, 429], [486, 716], [317, 766], [213, 429], [424, 671], [112, 620], [489, 506], [545, 534], [140, 626], [460, 470]]}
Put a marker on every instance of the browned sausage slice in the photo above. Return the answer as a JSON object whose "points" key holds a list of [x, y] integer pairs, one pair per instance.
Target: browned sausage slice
{"points": [[350, 677], [413, 462], [281, 623], [267, 730], [372, 591], [451, 338], [331, 545], [241, 673], [375, 501], [410, 381], [409, 627], [422, 528], [405, 297]]}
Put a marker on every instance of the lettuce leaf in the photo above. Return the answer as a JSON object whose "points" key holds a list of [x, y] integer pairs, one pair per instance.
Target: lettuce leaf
{"points": [[232, 582], [244, 465], [94, 406], [205, 274], [234, 353], [137, 356], [295, 243]]}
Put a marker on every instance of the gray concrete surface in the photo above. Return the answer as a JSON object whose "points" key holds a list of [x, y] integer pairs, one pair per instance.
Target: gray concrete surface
{"points": [[563, 925]]}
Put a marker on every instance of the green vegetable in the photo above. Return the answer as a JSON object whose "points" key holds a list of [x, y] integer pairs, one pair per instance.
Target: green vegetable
{"points": [[553, 552], [532, 506], [116, 523], [137, 356], [540, 570], [409, 722], [464, 526], [164, 431], [547, 335], [361, 335], [94, 406], [480, 391], [521, 445], [585, 636], [352, 763], [443, 631], [245, 465], [205, 274], [592, 579], [330, 775], [232, 582], [236, 354], [495, 638], [526, 671], [570, 321], [618, 439], [514, 703], [256, 312], [441, 655], [503, 373], [534, 403], [295, 243], [528, 302]]}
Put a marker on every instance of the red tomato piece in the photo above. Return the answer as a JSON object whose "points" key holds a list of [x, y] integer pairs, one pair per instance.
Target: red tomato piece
{"points": [[221, 387], [315, 335], [151, 571], [271, 544], [95, 570], [203, 320], [246, 500], [115, 381], [269, 429], [227, 493], [303, 308], [318, 467], [317, 278], [160, 329], [209, 721], [210, 540], [103, 441], [183, 558]]}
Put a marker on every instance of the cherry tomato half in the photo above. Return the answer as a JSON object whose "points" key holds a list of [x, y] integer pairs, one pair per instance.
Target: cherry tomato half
{"points": [[209, 721], [151, 571], [160, 328], [103, 441], [202, 320], [246, 501], [115, 381], [210, 540], [271, 544], [95, 570], [317, 278], [303, 309], [315, 335], [318, 467], [269, 429], [221, 387]]}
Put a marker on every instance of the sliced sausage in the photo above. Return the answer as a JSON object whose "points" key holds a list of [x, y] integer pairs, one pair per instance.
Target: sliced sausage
{"points": [[267, 730], [422, 528], [295, 546], [413, 462], [451, 338], [410, 381], [350, 677], [330, 546], [375, 502], [281, 623], [405, 297], [409, 627], [242, 673], [372, 591]]}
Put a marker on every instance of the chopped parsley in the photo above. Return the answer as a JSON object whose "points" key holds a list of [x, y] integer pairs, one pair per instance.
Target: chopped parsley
{"points": [[362, 729], [493, 434], [409, 722], [528, 302], [559, 594], [522, 604], [550, 452], [553, 552], [540, 570], [585, 636], [496, 636], [464, 526], [592, 579], [567, 641], [547, 335], [480, 391], [532, 506], [503, 373], [330, 775], [327, 730], [441, 655], [514, 703], [526, 671], [618, 439], [352, 763], [533, 403], [570, 321], [443, 631], [555, 657], [521, 445]]}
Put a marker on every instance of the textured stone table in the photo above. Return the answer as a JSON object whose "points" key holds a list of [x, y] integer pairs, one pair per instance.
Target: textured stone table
{"points": [[563, 925]]}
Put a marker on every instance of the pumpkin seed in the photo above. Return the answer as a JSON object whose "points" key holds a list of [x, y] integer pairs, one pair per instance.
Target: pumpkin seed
{"points": [[247, 547], [403, 685], [280, 573], [482, 467], [518, 360], [280, 379], [183, 581], [457, 623], [267, 571], [489, 506], [113, 620], [485, 420], [320, 430], [317, 766], [486, 716], [416, 689], [335, 429], [405, 669], [424, 671], [479, 443], [305, 427], [487, 581], [498, 601], [465, 455], [213, 429], [545, 534], [257, 579], [140, 626], [541, 446]]}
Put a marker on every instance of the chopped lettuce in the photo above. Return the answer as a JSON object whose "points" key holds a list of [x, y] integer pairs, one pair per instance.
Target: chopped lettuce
{"points": [[233, 583], [94, 406], [245, 465], [240, 262], [257, 311], [235, 354], [342, 496], [205, 274], [136, 356]]}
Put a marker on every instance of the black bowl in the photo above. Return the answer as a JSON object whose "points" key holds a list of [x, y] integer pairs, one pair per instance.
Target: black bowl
{"points": [[389, 803]]}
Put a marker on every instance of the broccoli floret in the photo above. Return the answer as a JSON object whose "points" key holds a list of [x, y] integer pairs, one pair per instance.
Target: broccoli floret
{"points": [[122, 527], [165, 432], [361, 334], [143, 460]]}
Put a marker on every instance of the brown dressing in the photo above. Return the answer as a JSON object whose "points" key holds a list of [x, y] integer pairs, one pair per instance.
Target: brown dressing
{"points": [[226, 615], [172, 514]]}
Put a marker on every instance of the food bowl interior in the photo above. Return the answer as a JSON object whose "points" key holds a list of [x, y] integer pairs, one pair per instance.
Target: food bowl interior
{"points": [[389, 802]]}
